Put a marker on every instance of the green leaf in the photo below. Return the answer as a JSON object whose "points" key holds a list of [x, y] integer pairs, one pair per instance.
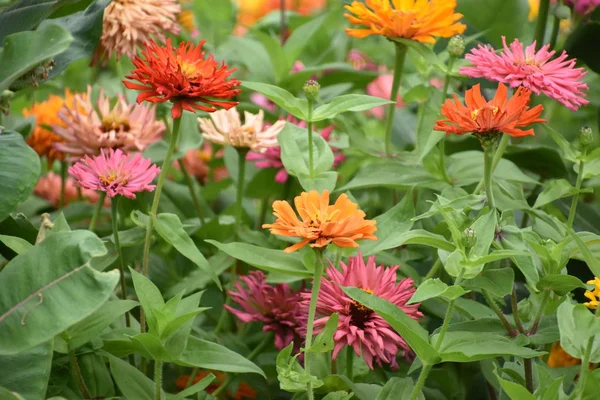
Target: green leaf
{"points": [[461, 346], [169, 227], [581, 43], [178, 329], [27, 373], [415, 335], [192, 390], [25, 50], [292, 377], [391, 174], [592, 262], [320, 182], [96, 375], [485, 230], [91, 326], [6, 394], [553, 190], [16, 244], [149, 296], [398, 389], [266, 259], [339, 395], [421, 236], [16, 225], [560, 284], [300, 37], [466, 168], [498, 282], [324, 340], [150, 346], [348, 102], [284, 99], [204, 354], [513, 240], [50, 288], [577, 325], [391, 226], [26, 15], [19, 169], [569, 151], [251, 54], [132, 382], [514, 390], [432, 288]]}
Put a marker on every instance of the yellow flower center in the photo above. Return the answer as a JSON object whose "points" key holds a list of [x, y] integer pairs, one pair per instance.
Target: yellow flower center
{"points": [[361, 307], [188, 69], [113, 122], [107, 180], [475, 113], [204, 155]]}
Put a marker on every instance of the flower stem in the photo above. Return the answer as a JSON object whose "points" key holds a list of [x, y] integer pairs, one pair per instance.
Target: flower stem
{"points": [[309, 126], [540, 28], [115, 227], [242, 151], [434, 269], [349, 362], [575, 200], [97, 210], [190, 184], [488, 298], [528, 367], [192, 376], [442, 143], [63, 181], [585, 361], [555, 30], [438, 344], [76, 371], [401, 51], [488, 170], [311, 317], [158, 366], [282, 22], [497, 157], [540, 313], [515, 311]]}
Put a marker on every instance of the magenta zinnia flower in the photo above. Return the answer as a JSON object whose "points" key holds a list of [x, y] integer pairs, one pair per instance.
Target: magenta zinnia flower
{"points": [[115, 173], [583, 7], [358, 326], [537, 71], [271, 157], [278, 307]]}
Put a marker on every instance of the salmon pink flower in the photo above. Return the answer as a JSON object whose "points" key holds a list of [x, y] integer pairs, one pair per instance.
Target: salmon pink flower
{"points": [[277, 307], [184, 76], [196, 162], [49, 186], [115, 173], [418, 20], [537, 71], [382, 87], [361, 61], [341, 223], [481, 117], [358, 326]]}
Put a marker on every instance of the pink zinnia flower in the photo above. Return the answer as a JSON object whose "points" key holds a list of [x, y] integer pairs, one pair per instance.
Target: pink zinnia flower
{"points": [[537, 71], [197, 162], [115, 173], [361, 61], [277, 307], [583, 7], [271, 157], [358, 326], [382, 87]]}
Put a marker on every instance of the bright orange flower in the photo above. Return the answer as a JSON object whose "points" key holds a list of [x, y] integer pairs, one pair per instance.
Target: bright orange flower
{"points": [[243, 392], [498, 115], [342, 223], [184, 76], [559, 358], [42, 138], [419, 20], [250, 11]]}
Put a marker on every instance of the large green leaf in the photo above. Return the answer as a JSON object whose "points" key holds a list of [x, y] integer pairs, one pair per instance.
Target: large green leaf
{"points": [[24, 51], [553, 190], [131, 381], [19, 170], [26, 15], [391, 174], [348, 102], [284, 99], [577, 325], [432, 288], [204, 354], [474, 346], [301, 37], [498, 282], [51, 287], [27, 373]]}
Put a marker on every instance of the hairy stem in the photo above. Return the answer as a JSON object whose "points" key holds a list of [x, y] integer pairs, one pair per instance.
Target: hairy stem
{"points": [[575, 200], [488, 170], [349, 362], [115, 227], [488, 298], [540, 28], [585, 361], [311, 317], [515, 311], [190, 184], [497, 157], [540, 313], [76, 371], [401, 51], [158, 367], [97, 210], [309, 126]]}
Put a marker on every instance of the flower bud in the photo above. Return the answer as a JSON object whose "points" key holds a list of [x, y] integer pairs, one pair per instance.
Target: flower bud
{"points": [[456, 46], [469, 237], [5, 98], [586, 136], [311, 89], [562, 12]]}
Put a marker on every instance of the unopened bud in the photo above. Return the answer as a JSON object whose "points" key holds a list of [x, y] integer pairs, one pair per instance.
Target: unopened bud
{"points": [[469, 237], [311, 89], [562, 12], [586, 136], [5, 98], [456, 46]]}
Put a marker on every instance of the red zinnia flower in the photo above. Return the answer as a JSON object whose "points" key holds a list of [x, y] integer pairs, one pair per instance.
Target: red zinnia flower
{"points": [[184, 76], [499, 115]]}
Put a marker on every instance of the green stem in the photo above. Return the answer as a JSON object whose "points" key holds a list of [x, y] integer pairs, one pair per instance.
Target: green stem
{"points": [[97, 210], [488, 298], [309, 126], [434, 269], [76, 371], [63, 181], [115, 227], [401, 51], [540, 28], [575, 200], [311, 317], [438, 344], [442, 143], [555, 30], [585, 361], [488, 170], [540, 313], [515, 311], [497, 157], [158, 367], [528, 368], [192, 376], [190, 184], [242, 151], [349, 362]]}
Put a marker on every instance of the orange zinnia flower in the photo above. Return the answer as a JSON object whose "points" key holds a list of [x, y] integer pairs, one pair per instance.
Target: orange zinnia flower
{"points": [[419, 20], [559, 358], [250, 11], [42, 138], [342, 223], [184, 76], [243, 392], [498, 115]]}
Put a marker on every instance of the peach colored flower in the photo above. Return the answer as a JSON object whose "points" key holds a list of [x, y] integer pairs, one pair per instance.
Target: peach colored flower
{"points": [[382, 87], [49, 186], [197, 161]]}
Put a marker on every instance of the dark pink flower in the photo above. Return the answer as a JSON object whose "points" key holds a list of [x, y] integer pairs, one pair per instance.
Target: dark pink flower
{"points": [[583, 7], [537, 71], [358, 326], [277, 307], [271, 157], [115, 173]]}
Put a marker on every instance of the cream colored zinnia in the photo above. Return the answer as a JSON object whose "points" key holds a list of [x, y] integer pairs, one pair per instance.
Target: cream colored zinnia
{"points": [[225, 127], [128, 24], [88, 128]]}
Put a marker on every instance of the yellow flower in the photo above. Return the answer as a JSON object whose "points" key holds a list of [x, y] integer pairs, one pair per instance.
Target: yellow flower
{"points": [[418, 20], [593, 295]]}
